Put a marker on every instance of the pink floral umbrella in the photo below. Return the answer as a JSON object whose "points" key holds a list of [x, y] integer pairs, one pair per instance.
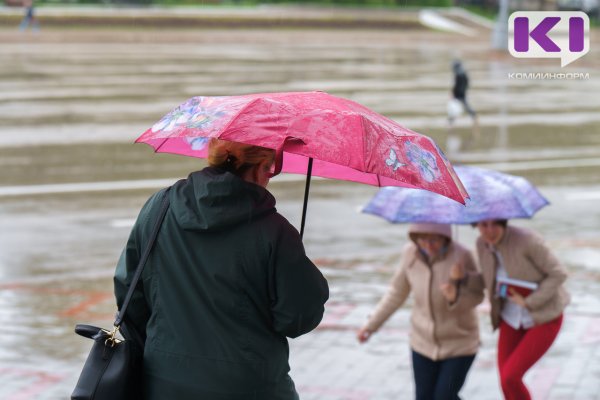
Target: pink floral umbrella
{"points": [[312, 133]]}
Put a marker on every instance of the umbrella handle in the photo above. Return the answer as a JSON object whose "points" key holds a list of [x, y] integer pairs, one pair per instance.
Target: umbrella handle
{"points": [[306, 191]]}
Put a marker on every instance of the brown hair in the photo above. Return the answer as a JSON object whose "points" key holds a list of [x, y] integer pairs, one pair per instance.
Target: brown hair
{"points": [[236, 157], [415, 237]]}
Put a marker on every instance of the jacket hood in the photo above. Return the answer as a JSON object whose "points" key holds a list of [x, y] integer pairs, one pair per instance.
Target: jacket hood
{"points": [[213, 200], [430, 228]]}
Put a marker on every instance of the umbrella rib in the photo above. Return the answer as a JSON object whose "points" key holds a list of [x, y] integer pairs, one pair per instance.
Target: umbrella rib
{"points": [[237, 114], [364, 167], [160, 145]]}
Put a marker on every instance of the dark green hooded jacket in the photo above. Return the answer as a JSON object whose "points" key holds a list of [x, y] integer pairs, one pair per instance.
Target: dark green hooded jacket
{"points": [[226, 282]]}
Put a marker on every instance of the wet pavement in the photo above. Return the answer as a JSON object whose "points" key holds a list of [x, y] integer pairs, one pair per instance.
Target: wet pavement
{"points": [[72, 182]]}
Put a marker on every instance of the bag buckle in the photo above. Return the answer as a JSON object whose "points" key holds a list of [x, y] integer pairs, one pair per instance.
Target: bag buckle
{"points": [[112, 339]]}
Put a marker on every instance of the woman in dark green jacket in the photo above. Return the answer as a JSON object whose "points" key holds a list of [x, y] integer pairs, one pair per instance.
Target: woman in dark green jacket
{"points": [[227, 281]]}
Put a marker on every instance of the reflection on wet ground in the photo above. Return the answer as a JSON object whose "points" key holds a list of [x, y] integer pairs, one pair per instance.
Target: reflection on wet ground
{"points": [[69, 112]]}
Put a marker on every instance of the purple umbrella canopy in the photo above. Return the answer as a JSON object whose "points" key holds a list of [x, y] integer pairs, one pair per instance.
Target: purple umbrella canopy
{"points": [[493, 195]]}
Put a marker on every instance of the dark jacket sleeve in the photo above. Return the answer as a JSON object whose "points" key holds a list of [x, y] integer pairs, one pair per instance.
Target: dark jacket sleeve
{"points": [[299, 289], [138, 313], [461, 83]]}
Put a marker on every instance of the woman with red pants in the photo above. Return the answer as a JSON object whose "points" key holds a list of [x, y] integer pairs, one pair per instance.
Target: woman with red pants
{"points": [[528, 322]]}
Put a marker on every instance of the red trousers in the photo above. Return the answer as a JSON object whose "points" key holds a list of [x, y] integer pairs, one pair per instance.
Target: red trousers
{"points": [[518, 350]]}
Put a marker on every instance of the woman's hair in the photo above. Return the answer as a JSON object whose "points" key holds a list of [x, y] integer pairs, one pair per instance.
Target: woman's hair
{"points": [[418, 236], [236, 157], [501, 222]]}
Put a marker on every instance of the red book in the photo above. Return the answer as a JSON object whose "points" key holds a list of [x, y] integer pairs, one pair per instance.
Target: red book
{"points": [[524, 288]]}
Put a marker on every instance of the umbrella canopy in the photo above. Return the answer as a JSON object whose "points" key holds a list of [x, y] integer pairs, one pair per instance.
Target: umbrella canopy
{"points": [[493, 195], [312, 133], [345, 139]]}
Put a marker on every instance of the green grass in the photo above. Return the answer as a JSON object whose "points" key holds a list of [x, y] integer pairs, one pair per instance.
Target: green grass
{"points": [[236, 3], [488, 13]]}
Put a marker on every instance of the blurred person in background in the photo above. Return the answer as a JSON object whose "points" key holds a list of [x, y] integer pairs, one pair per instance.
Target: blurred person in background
{"points": [[446, 287], [227, 282], [458, 102], [29, 19], [528, 324]]}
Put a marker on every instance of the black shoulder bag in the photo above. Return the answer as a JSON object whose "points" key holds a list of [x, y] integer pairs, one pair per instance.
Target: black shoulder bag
{"points": [[113, 368]]}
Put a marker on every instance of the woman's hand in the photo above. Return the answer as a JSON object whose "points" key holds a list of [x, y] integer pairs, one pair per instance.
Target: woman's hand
{"points": [[457, 272], [363, 334], [516, 298], [449, 291]]}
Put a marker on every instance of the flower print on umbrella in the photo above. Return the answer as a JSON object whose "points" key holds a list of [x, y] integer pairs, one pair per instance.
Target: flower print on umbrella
{"points": [[206, 112], [198, 112], [170, 121], [198, 143], [422, 159]]}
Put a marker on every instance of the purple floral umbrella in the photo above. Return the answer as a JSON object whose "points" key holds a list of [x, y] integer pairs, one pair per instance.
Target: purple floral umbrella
{"points": [[493, 195]]}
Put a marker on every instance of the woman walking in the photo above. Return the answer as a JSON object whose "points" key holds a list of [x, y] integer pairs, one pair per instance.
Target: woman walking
{"points": [[446, 288], [528, 323], [227, 282]]}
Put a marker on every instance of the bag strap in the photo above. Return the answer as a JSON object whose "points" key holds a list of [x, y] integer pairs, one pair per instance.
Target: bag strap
{"points": [[142, 262]]}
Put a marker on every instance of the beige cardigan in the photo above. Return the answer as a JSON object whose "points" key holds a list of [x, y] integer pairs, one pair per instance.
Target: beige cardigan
{"points": [[526, 257], [439, 330]]}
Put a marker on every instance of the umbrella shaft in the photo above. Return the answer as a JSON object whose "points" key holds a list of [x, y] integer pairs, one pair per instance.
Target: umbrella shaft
{"points": [[306, 191]]}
